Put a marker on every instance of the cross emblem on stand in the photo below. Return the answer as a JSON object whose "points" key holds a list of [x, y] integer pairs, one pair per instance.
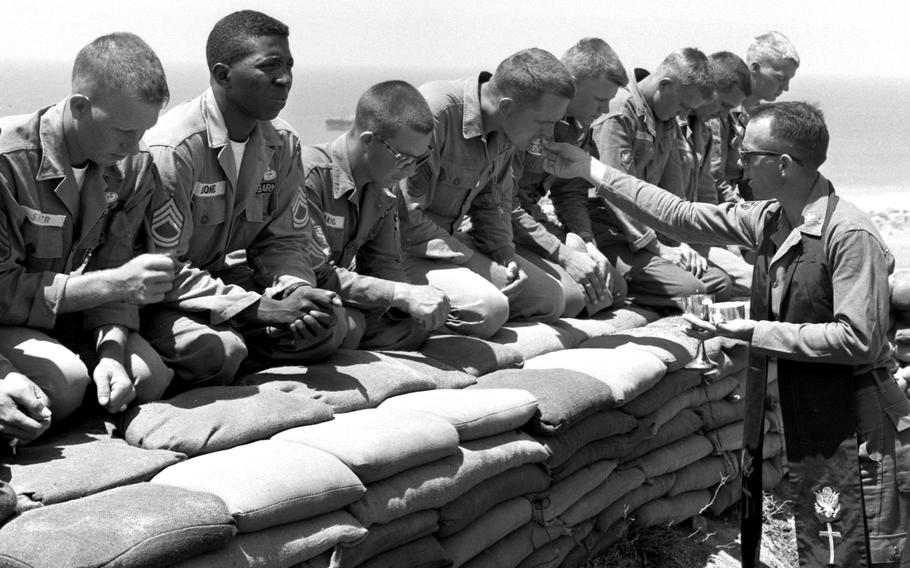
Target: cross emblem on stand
{"points": [[831, 534]]}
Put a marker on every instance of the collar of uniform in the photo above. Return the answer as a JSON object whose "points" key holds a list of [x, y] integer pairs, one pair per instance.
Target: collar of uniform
{"points": [[216, 129], [813, 219], [342, 178], [472, 120], [642, 107], [816, 207], [54, 157]]}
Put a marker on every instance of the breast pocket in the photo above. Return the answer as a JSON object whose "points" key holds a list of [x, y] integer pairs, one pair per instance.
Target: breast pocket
{"points": [[43, 242], [257, 210], [643, 150], [208, 211], [453, 187]]}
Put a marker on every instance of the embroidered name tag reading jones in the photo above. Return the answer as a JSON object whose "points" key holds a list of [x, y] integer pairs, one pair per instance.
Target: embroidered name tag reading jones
{"points": [[334, 221], [209, 189], [43, 219]]}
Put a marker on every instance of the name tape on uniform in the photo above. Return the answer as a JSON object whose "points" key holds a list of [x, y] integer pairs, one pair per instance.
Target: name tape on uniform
{"points": [[210, 189], [334, 221], [43, 219]]}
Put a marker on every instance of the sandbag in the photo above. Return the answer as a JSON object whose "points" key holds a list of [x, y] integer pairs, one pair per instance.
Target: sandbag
{"points": [[349, 380], [492, 526], [626, 505], [515, 482], [383, 537], [628, 372], [535, 338], [474, 413], [269, 483], [564, 397], [674, 456], [601, 425], [210, 419], [619, 484], [376, 444], [442, 375], [554, 502], [79, 461], [284, 545], [140, 525], [672, 510], [433, 485], [472, 355]]}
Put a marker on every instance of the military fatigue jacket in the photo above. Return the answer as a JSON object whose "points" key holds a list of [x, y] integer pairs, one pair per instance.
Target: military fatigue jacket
{"points": [[357, 228], [51, 229], [630, 138], [468, 174], [208, 211], [569, 197]]}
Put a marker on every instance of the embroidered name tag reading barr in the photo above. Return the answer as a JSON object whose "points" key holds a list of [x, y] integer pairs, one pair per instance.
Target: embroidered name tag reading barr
{"points": [[43, 219], [210, 189], [334, 221]]}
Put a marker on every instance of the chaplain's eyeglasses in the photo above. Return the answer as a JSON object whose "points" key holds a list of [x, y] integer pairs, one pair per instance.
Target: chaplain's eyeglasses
{"points": [[747, 155], [403, 160]]}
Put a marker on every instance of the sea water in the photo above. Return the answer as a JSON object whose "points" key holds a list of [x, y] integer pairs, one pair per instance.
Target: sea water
{"points": [[868, 158]]}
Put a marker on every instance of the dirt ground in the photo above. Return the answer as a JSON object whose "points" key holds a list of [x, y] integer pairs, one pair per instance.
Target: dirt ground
{"points": [[704, 542]]}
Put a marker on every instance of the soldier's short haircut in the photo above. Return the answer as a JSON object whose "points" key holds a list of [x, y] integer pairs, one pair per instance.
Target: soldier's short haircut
{"points": [[593, 58], [772, 48], [232, 37], [797, 128], [392, 106], [729, 72], [689, 68], [529, 74], [120, 61]]}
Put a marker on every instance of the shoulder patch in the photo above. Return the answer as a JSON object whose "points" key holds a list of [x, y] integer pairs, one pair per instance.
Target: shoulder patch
{"points": [[625, 158], [300, 212], [167, 224]]}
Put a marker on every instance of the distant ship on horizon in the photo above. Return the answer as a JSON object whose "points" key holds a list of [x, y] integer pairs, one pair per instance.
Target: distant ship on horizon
{"points": [[339, 122]]}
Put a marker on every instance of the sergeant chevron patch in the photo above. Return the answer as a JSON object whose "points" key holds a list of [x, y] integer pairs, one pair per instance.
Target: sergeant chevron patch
{"points": [[167, 224]]}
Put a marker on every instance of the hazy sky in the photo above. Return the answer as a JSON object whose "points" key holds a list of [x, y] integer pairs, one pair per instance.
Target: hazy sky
{"points": [[832, 37]]}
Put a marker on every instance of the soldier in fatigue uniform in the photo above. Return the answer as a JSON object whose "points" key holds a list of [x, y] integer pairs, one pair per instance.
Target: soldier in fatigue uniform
{"points": [[75, 187], [731, 85], [772, 60], [820, 303], [356, 207], [234, 209], [588, 279], [640, 136], [458, 232]]}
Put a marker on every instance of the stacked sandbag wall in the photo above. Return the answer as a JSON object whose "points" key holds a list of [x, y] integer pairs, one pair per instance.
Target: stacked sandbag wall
{"points": [[451, 456]]}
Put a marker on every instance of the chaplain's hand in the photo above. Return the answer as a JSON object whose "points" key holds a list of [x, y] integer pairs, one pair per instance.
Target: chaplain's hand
{"points": [[567, 161], [741, 329]]}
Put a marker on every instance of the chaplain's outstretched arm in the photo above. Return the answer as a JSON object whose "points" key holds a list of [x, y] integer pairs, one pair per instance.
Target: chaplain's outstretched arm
{"points": [[661, 210]]}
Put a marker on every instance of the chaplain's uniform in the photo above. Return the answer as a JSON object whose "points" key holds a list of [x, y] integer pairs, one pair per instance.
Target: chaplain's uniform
{"points": [[357, 234], [243, 229], [632, 139], [821, 295], [51, 229]]}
